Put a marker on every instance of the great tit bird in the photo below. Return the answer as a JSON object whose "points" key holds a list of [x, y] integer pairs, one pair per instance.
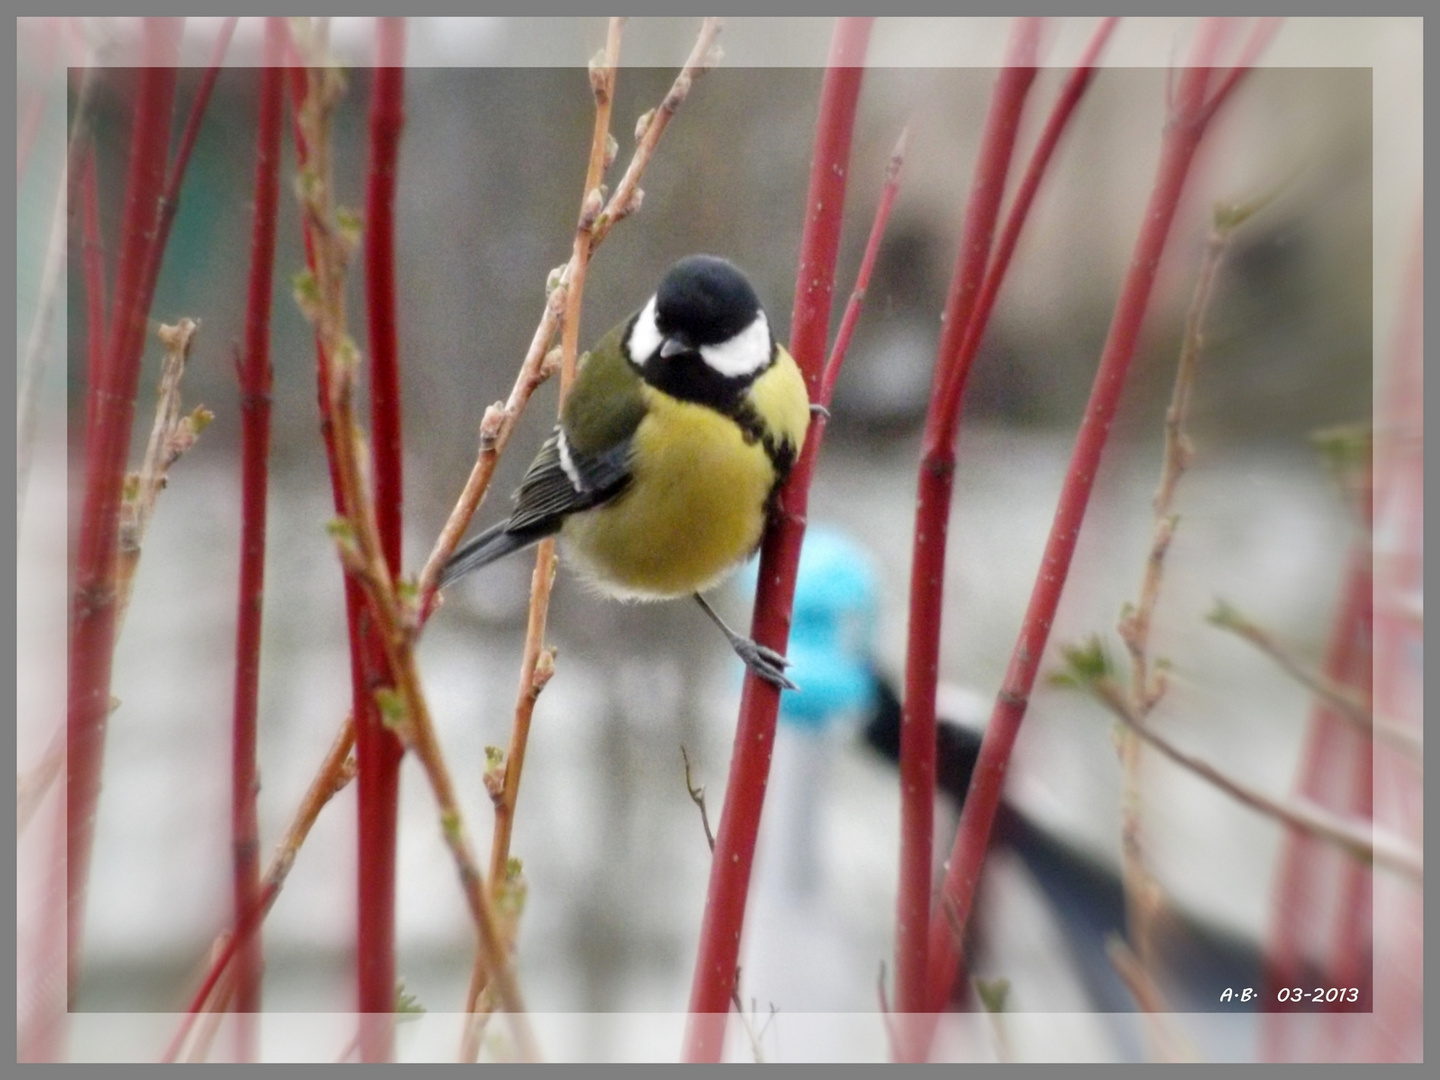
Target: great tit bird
{"points": [[676, 435]]}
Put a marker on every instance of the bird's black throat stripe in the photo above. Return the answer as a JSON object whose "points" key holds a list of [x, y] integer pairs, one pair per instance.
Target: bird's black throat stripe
{"points": [[687, 377]]}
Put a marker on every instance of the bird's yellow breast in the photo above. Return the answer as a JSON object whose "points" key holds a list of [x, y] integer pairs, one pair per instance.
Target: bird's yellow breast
{"points": [[697, 501]]}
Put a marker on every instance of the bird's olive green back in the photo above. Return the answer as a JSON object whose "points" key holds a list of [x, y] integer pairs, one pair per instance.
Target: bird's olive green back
{"points": [[605, 404]]}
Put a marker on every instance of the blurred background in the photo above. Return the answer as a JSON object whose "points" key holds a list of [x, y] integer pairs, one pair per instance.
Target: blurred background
{"points": [[498, 119]]}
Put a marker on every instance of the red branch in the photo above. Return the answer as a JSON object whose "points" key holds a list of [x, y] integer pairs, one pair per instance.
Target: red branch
{"points": [[888, 192], [111, 412], [1190, 114], [93, 261], [375, 958], [377, 750], [719, 948], [932, 515], [935, 510], [366, 662], [170, 201], [255, 382], [1305, 913], [1399, 526]]}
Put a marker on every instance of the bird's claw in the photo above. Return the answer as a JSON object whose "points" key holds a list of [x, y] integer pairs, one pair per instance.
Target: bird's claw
{"points": [[765, 662], [816, 409]]}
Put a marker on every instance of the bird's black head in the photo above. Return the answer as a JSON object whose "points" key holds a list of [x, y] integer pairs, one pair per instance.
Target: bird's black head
{"points": [[703, 336], [704, 300]]}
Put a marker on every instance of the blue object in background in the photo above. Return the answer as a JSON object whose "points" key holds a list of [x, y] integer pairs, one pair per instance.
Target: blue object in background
{"points": [[832, 630]]}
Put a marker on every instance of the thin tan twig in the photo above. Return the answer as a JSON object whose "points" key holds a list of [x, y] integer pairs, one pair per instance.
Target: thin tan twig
{"points": [[499, 420], [216, 1010], [1363, 844], [757, 1051], [563, 305], [337, 770], [1170, 1045], [170, 436], [697, 796], [1341, 699], [357, 534], [537, 664], [31, 785], [1143, 895], [892, 1037], [651, 126]]}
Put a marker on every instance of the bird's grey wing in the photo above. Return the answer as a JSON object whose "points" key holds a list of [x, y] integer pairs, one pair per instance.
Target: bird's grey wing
{"points": [[564, 479]]}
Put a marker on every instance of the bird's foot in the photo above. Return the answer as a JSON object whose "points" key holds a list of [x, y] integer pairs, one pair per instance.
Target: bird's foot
{"points": [[764, 662]]}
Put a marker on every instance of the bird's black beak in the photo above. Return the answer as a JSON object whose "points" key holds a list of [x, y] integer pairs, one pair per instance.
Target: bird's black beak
{"points": [[675, 344]]}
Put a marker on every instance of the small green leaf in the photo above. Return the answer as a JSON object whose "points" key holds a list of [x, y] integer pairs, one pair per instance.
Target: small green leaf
{"points": [[1222, 614], [341, 531], [510, 897], [1088, 663], [307, 293], [346, 354], [450, 825], [350, 225], [992, 993], [406, 1004], [308, 185], [393, 712]]}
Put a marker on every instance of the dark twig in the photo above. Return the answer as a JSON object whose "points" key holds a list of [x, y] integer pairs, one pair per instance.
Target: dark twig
{"points": [[697, 796]]}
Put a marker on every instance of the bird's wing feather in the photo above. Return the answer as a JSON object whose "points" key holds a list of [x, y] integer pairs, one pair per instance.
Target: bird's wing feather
{"points": [[564, 479], [587, 459]]}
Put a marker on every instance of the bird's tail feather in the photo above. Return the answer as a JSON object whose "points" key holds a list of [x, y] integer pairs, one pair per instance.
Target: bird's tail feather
{"points": [[494, 543]]}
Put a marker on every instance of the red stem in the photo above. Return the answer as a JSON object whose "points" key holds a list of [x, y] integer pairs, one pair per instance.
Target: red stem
{"points": [[1187, 124], [1399, 511], [377, 750], [111, 412], [1358, 652], [932, 515], [375, 959], [170, 200], [1311, 876], [255, 383], [245, 926], [848, 321], [721, 925], [93, 261]]}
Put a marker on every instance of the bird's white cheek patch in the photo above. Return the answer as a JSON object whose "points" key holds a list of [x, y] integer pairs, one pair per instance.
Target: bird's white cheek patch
{"points": [[645, 338], [744, 354]]}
